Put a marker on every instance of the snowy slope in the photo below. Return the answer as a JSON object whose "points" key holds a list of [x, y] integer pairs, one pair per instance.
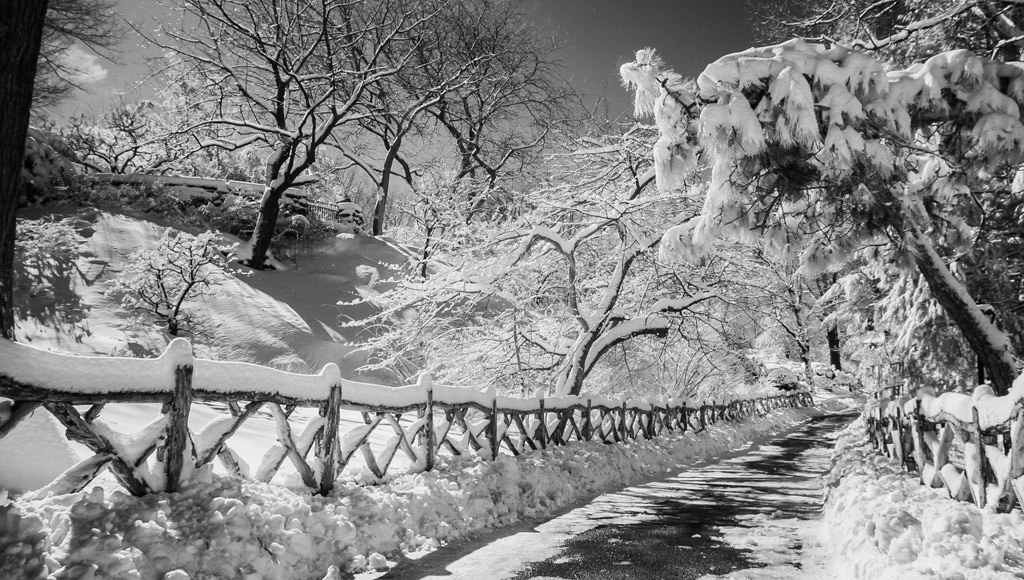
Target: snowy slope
{"points": [[269, 317]]}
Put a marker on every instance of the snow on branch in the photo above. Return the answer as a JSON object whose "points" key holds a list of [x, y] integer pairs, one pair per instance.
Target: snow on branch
{"points": [[625, 330]]}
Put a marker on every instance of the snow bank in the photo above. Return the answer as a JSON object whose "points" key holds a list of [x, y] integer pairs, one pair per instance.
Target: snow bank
{"points": [[233, 529], [885, 524]]}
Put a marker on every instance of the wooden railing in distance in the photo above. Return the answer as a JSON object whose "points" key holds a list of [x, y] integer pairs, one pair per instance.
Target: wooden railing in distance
{"points": [[444, 420], [972, 446]]}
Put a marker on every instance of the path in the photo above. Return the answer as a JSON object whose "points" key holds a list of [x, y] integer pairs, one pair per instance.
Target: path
{"points": [[749, 516]]}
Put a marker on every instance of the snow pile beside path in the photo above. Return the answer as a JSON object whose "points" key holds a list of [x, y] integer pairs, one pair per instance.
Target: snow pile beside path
{"points": [[886, 525], [226, 528]]}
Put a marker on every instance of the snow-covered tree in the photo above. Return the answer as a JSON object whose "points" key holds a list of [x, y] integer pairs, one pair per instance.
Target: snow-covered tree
{"points": [[821, 150], [286, 75], [129, 137], [899, 31], [162, 279], [546, 301]]}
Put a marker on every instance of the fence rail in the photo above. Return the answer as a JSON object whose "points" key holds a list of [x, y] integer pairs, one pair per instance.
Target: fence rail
{"points": [[448, 420], [972, 446]]}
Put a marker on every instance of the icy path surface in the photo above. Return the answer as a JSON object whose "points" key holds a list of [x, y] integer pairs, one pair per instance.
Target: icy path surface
{"points": [[753, 515]]}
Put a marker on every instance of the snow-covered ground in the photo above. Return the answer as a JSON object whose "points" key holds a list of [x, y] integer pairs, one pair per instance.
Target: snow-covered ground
{"points": [[883, 524], [227, 528]]}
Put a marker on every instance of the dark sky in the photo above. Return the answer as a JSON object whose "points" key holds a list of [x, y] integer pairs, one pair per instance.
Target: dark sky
{"points": [[600, 35], [597, 36]]}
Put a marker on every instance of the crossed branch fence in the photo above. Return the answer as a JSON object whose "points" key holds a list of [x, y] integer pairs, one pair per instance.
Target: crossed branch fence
{"points": [[425, 421], [980, 459]]}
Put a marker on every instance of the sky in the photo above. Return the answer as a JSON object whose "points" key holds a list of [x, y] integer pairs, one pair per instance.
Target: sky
{"points": [[596, 37]]}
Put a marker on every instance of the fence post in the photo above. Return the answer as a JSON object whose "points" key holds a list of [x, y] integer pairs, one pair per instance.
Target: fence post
{"points": [[493, 427], [622, 421], [543, 427], [588, 428], [328, 439], [177, 428], [917, 432], [430, 437], [979, 470], [901, 448]]}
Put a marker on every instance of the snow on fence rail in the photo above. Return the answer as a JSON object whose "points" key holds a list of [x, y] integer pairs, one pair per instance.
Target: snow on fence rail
{"points": [[971, 445], [447, 419]]}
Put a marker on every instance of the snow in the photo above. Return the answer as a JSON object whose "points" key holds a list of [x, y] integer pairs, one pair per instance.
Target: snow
{"points": [[993, 411], [882, 524], [39, 449], [71, 373], [228, 528]]}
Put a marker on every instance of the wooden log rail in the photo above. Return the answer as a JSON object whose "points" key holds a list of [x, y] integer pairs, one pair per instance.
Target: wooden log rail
{"points": [[972, 447], [423, 420]]}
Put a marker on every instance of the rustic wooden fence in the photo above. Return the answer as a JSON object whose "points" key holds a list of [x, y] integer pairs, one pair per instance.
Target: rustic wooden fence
{"points": [[970, 445], [323, 211], [426, 419]]}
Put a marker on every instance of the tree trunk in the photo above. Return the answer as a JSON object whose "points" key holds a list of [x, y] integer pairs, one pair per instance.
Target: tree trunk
{"points": [[21, 25], [270, 204], [380, 207], [835, 352], [989, 343], [570, 381], [270, 208]]}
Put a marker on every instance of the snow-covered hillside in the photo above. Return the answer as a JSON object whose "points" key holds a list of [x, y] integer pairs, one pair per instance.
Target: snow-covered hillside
{"points": [[284, 319]]}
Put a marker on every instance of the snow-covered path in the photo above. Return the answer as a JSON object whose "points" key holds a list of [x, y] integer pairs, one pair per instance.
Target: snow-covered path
{"points": [[752, 515]]}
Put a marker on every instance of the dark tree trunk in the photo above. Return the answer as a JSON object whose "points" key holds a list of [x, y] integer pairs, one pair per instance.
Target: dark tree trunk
{"points": [[835, 352], [270, 204], [380, 207], [270, 208], [988, 342], [21, 26]]}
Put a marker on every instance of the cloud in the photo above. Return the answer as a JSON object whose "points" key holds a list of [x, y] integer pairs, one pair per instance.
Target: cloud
{"points": [[84, 67]]}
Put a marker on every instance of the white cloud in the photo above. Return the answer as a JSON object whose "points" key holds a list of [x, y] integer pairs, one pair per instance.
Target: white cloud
{"points": [[84, 66]]}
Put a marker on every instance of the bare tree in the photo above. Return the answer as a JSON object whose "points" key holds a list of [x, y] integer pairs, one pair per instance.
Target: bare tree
{"points": [[21, 25], [503, 121], [89, 23], [286, 75], [129, 137], [480, 77]]}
